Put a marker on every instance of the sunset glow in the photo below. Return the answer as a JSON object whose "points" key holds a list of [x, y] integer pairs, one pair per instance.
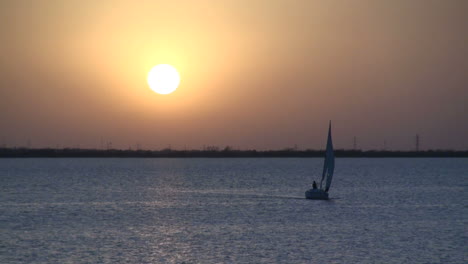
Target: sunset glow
{"points": [[251, 74]]}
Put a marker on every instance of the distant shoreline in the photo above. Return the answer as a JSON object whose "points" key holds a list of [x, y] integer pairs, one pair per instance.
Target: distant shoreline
{"points": [[226, 153]]}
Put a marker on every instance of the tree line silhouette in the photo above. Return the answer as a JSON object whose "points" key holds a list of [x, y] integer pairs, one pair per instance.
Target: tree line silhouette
{"points": [[214, 152]]}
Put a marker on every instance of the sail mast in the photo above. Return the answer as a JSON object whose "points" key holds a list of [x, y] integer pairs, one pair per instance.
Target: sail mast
{"points": [[330, 159], [329, 162]]}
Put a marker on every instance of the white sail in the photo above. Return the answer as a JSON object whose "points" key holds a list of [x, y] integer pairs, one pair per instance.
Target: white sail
{"points": [[329, 163]]}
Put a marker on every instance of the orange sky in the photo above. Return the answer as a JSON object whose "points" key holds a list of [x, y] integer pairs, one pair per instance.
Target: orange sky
{"points": [[254, 74]]}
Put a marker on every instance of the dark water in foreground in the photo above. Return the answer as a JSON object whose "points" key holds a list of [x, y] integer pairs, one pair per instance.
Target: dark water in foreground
{"points": [[232, 211]]}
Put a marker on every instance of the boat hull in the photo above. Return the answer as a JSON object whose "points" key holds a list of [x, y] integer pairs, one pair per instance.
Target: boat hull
{"points": [[316, 194]]}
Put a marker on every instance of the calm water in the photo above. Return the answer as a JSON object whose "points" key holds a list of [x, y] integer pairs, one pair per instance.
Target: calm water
{"points": [[232, 211]]}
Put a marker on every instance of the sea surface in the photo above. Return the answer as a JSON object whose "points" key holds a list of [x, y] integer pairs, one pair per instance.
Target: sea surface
{"points": [[240, 210]]}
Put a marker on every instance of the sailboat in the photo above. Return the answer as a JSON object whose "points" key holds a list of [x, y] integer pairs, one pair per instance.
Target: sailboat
{"points": [[321, 193]]}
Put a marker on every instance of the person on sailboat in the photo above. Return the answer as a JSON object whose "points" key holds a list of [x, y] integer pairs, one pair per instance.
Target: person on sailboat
{"points": [[314, 185]]}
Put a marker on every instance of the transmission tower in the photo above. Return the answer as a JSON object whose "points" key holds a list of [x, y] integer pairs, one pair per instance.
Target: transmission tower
{"points": [[417, 142]]}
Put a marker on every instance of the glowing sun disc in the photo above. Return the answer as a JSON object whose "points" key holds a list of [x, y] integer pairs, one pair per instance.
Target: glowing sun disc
{"points": [[163, 79]]}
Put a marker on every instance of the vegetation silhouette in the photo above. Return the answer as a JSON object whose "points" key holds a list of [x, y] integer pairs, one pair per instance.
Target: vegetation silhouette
{"points": [[215, 152]]}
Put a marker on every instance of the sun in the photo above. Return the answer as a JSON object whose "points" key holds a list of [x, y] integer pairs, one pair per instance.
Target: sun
{"points": [[163, 79]]}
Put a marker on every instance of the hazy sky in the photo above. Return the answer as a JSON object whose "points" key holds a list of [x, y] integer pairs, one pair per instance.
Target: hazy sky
{"points": [[254, 74]]}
